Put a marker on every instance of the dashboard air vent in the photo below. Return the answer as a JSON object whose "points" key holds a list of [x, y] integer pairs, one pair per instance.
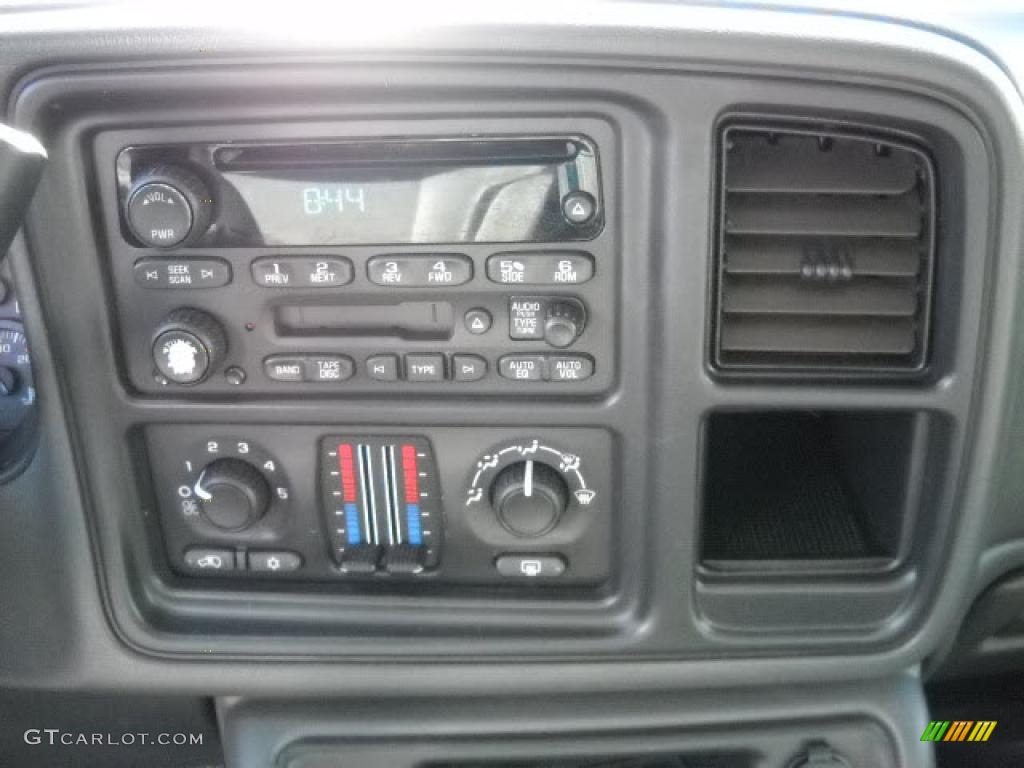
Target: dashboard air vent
{"points": [[825, 252]]}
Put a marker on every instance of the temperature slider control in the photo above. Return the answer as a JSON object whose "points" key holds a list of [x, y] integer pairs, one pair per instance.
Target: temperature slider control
{"points": [[382, 503]]}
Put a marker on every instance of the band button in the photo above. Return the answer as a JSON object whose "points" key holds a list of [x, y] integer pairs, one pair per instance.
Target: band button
{"points": [[281, 368]]}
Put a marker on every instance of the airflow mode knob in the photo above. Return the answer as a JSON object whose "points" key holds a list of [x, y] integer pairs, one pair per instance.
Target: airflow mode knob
{"points": [[529, 498]]}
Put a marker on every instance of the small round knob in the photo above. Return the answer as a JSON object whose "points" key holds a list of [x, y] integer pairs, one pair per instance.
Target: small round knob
{"points": [[169, 206], [188, 344], [529, 498], [233, 493], [563, 323], [8, 382]]}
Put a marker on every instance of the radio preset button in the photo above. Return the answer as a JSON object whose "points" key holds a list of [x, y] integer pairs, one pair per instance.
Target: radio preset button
{"points": [[540, 268], [325, 272], [274, 273], [281, 368], [422, 270], [522, 367], [302, 272], [424, 367], [382, 367], [182, 273], [468, 367]]}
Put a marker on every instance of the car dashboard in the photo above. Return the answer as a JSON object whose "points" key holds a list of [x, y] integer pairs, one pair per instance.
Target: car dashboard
{"points": [[515, 385]]}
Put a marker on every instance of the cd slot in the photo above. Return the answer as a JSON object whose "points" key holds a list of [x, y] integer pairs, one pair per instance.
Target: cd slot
{"points": [[263, 157], [406, 320]]}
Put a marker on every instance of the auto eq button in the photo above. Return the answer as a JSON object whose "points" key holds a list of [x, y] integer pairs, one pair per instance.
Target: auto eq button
{"points": [[522, 367]]}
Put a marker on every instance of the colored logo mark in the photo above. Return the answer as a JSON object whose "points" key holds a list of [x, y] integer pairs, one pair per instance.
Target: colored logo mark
{"points": [[958, 730]]}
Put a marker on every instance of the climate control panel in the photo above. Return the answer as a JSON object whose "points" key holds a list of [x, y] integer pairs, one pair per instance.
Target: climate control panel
{"points": [[437, 505]]}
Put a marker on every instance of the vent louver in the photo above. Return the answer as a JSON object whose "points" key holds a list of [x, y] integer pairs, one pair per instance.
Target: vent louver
{"points": [[825, 252]]}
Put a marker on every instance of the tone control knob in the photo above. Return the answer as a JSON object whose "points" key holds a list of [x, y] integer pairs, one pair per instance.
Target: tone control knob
{"points": [[233, 493], [563, 322], [188, 344], [529, 497], [169, 206]]}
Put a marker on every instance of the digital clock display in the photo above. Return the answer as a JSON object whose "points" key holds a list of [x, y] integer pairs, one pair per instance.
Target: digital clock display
{"points": [[334, 200]]}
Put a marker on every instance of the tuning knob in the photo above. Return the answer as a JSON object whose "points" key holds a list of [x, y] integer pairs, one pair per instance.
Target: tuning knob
{"points": [[529, 497], [563, 323], [169, 206], [188, 344], [233, 493]]}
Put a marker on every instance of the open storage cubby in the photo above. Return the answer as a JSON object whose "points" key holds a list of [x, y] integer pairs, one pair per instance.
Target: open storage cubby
{"points": [[810, 489]]}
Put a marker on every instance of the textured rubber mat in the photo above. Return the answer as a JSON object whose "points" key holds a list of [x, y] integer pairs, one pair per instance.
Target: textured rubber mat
{"points": [[775, 490]]}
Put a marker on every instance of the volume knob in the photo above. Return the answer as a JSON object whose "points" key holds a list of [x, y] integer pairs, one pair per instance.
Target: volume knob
{"points": [[169, 206], [529, 497], [233, 493]]}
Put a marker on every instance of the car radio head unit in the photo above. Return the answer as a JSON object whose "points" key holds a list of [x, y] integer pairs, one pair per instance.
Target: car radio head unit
{"points": [[341, 259], [361, 192]]}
